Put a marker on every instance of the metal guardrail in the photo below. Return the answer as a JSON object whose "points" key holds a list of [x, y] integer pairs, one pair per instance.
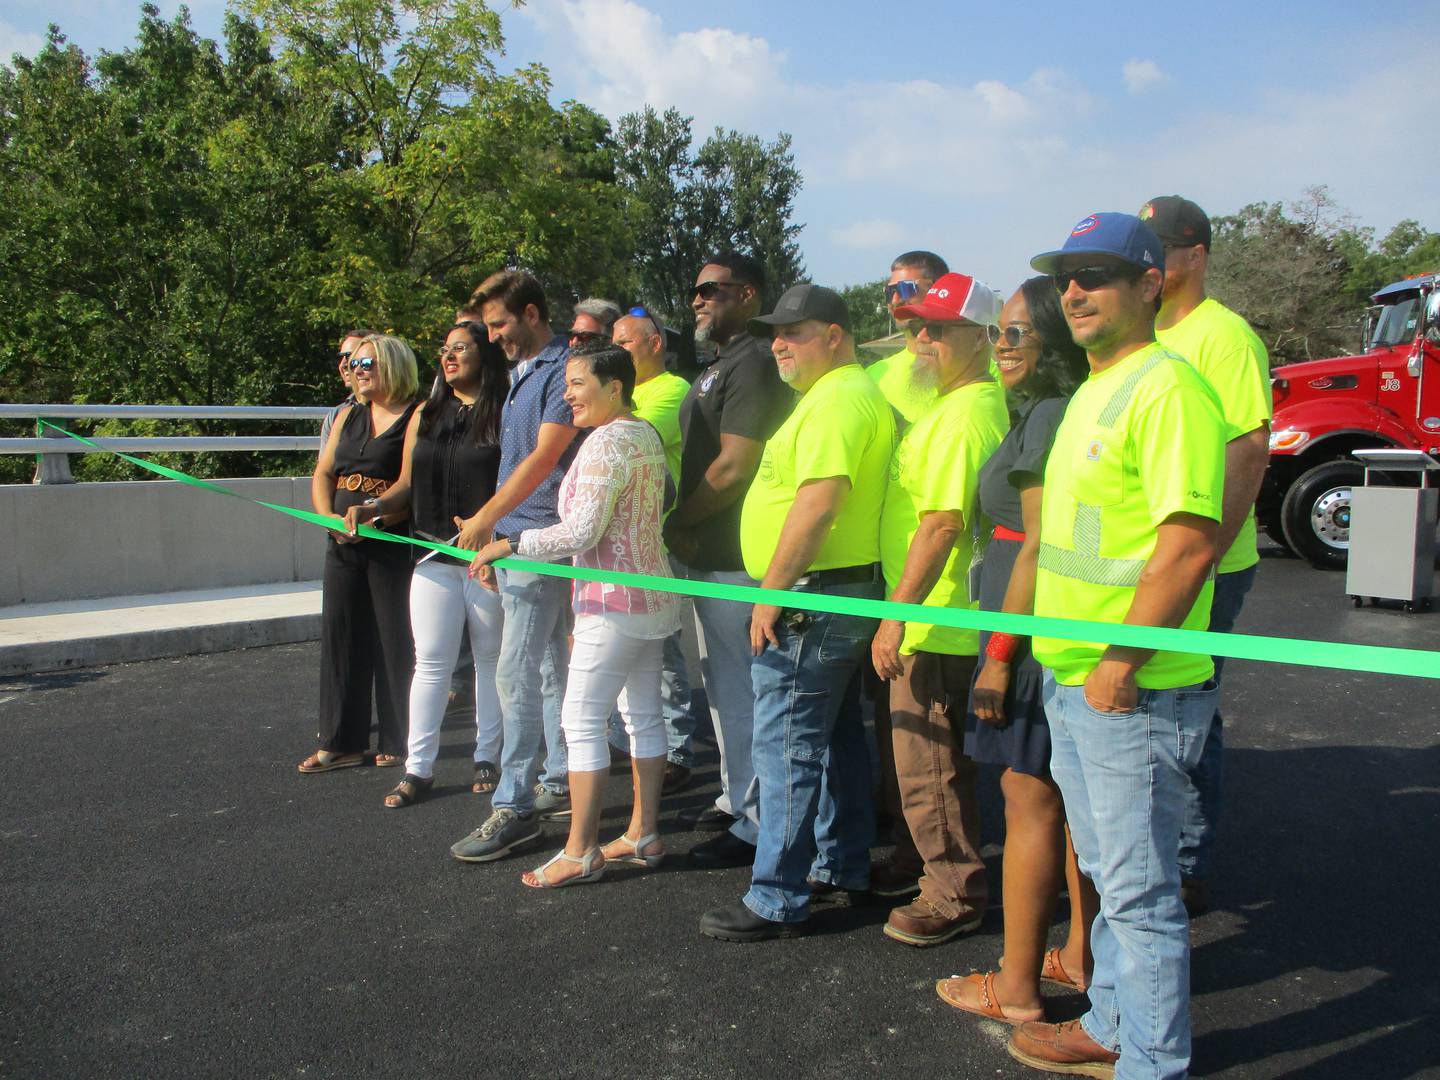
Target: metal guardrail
{"points": [[53, 452]]}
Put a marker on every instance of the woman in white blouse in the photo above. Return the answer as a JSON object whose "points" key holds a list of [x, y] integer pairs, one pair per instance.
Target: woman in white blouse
{"points": [[610, 506]]}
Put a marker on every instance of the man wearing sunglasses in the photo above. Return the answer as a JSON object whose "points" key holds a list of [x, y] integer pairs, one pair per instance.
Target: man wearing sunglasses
{"points": [[911, 276], [594, 321], [1221, 346], [1134, 488], [810, 524], [927, 534], [735, 404], [349, 342]]}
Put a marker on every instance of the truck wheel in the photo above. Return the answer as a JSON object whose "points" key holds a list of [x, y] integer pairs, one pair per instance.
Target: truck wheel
{"points": [[1316, 513]]}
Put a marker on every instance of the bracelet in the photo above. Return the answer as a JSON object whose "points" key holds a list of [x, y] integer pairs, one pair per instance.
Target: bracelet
{"points": [[1002, 647], [374, 504]]}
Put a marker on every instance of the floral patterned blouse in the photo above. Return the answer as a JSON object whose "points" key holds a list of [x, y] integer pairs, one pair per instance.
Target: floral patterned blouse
{"points": [[610, 506]]}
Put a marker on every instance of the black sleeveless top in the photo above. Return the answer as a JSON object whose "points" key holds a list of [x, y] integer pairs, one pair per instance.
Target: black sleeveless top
{"points": [[366, 466], [450, 476]]}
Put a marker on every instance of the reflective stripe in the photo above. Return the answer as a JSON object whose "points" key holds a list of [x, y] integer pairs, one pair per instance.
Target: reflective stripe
{"points": [[1084, 562]]}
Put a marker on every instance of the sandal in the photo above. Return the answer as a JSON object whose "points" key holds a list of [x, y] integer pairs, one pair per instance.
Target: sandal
{"points": [[630, 851], [486, 777], [384, 761], [589, 872], [325, 760], [1052, 971], [408, 791], [989, 1008]]}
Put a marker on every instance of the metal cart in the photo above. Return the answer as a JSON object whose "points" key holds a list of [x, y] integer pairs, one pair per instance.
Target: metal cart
{"points": [[1392, 531]]}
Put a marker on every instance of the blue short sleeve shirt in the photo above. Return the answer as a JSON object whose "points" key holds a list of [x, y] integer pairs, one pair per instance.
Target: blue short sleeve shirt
{"points": [[536, 397]]}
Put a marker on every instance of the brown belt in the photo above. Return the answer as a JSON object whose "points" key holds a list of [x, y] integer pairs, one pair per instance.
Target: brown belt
{"points": [[367, 484]]}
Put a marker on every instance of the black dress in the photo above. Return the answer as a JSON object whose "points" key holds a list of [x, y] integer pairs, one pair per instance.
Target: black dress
{"points": [[1018, 462], [365, 636]]}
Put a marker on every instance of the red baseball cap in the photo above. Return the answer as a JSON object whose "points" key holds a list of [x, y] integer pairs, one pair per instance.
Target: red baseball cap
{"points": [[955, 298]]}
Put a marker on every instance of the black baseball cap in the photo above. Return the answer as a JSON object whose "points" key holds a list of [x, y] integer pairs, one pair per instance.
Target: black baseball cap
{"points": [[802, 302], [1177, 221]]}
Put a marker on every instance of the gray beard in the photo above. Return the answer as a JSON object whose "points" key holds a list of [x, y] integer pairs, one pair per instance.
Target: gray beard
{"points": [[702, 333]]}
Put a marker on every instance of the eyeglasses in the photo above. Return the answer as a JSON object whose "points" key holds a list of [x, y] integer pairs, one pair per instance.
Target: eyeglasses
{"points": [[903, 291], [458, 348], [1011, 337], [362, 363], [934, 327], [709, 290], [638, 312], [1090, 278], [584, 337]]}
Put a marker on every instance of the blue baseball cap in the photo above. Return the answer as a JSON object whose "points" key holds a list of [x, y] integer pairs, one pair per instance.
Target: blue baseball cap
{"points": [[1123, 235]]}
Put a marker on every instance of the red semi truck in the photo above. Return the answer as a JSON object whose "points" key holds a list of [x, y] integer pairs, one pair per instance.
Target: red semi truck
{"points": [[1387, 396]]}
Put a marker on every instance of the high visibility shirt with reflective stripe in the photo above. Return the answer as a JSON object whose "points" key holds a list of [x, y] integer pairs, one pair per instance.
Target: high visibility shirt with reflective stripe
{"points": [[1140, 441]]}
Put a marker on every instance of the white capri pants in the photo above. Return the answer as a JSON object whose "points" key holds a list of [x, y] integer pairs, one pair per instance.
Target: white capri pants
{"points": [[444, 603], [608, 668]]}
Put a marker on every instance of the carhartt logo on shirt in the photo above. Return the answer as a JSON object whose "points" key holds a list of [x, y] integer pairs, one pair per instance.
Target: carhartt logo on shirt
{"points": [[1092, 452]]}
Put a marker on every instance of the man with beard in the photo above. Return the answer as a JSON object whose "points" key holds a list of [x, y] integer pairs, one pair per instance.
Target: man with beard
{"points": [[911, 276], [927, 535], [733, 406]]}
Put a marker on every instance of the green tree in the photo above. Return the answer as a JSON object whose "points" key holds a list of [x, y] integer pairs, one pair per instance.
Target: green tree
{"points": [[869, 314]]}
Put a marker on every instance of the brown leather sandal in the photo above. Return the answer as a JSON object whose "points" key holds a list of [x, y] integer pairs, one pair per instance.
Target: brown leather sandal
{"points": [[326, 760], [949, 991], [1052, 971]]}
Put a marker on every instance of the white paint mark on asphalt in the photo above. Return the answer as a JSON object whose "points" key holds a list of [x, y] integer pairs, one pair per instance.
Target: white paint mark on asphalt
{"points": [[224, 809]]}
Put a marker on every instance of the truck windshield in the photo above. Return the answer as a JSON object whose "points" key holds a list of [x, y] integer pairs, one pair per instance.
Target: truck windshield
{"points": [[1396, 325]]}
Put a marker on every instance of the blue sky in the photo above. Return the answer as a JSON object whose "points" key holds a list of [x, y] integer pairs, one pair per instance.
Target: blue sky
{"points": [[980, 132]]}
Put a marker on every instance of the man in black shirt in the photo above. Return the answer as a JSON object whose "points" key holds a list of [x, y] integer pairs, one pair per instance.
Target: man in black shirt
{"points": [[734, 404]]}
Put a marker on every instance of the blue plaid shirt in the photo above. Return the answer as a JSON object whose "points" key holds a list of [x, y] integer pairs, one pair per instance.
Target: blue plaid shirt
{"points": [[536, 397]]}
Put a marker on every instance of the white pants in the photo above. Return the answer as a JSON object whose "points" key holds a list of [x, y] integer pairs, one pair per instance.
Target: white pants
{"points": [[444, 603], [606, 668]]}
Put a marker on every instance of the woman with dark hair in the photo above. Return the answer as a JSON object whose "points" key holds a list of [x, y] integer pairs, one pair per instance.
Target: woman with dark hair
{"points": [[452, 455], [1040, 367], [364, 635], [610, 505]]}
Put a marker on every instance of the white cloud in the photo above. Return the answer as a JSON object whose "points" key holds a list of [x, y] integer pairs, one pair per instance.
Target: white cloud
{"points": [[1141, 75], [13, 40], [882, 233]]}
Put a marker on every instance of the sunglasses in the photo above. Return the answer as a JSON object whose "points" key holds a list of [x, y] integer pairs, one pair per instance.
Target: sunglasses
{"points": [[584, 337], [362, 363], [1011, 337], [709, 290], [935, 328], [903, 291], [1090, 278], [343, 356], [638, 312]]}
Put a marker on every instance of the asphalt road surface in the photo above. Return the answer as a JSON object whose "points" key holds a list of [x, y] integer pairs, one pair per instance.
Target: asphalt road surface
{"points": [[177, 901]]}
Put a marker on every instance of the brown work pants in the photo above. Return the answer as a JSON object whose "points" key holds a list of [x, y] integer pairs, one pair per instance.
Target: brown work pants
{"points": [[937, 780]]}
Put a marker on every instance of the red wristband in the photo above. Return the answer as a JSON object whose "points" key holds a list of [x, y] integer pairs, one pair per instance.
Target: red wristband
{"points": [[1002, 647]]}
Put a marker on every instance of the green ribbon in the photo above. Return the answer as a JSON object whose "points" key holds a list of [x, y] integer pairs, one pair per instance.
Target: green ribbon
{"points": [[1384, 660]]}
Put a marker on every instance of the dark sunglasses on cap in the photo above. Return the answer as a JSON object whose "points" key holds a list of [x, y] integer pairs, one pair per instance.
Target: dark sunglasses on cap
{"points": [[1090, 278], [362, 363], [1013, 336], [709, 290], [903, 291]]}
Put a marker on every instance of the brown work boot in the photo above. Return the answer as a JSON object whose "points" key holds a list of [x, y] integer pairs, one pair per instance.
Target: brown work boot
{"points": [[920, 924], [1061, 1048]]}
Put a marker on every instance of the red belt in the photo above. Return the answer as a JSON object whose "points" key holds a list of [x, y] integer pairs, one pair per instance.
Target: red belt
{"points": [[1002, 533]]}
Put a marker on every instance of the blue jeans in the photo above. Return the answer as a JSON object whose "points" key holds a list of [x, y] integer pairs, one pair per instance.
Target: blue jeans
{"points": [[1122, 776], [537, 622], [1203, 789], [674, 707], [812, 765]]}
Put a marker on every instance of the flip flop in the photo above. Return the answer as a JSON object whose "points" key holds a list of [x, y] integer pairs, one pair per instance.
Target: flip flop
{"points": [[989, 1008], [326, 760]]}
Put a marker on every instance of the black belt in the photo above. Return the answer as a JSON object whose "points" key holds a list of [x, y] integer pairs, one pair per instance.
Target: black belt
{"points": [[841, 575]]}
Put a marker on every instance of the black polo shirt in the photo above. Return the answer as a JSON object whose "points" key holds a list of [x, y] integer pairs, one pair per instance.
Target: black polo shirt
{"points": [[741, 393]]}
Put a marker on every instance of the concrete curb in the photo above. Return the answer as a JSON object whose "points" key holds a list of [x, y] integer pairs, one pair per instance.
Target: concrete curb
{"points": [[59, 637]]}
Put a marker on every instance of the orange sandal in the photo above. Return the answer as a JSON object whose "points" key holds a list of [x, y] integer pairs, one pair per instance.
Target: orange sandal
{"points": [[949, 991], [1052, 971]]}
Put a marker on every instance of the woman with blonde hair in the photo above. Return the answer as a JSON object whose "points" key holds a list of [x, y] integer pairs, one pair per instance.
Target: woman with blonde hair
{"points": [[365, 636]]}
